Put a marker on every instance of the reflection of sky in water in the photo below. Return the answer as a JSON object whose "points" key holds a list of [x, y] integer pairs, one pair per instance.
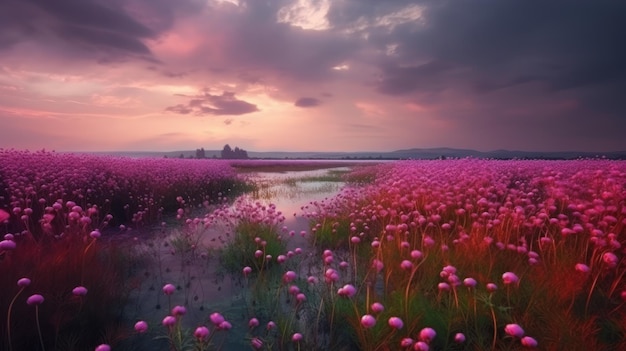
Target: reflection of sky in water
{"points": [[289, 193]]}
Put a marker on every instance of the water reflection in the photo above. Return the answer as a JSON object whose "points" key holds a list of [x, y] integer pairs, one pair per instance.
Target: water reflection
{"points": [[201, 285]]}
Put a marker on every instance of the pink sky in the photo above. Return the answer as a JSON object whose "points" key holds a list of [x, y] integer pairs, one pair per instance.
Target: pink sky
{"points": [[310, 75]]}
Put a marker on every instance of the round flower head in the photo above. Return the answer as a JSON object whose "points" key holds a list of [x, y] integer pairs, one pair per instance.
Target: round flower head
{"points": [[296, 337], [459, 338], [141, 327], [427, 334], [179, 310], [377, 307], [4, 215], [396, 323], [225, 325], [514, 330], [169, 289], [529, 342], [169, 321], [103, 347], [253, 323], [256, 343], [348, 290], [23, 282], [289, 276], [368, 321], [201, 333], [406, 342], [35, 299], [216, 318], [7, 245], [469, 282], [79, 291], [509, 278]]}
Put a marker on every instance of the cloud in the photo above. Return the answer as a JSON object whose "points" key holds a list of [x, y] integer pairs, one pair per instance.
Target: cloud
{"points": [[219, 105], [105, 30], [307, 102]]}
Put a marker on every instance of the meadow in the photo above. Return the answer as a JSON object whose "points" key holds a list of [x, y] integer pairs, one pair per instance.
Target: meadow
{"points": [[102, 253]]}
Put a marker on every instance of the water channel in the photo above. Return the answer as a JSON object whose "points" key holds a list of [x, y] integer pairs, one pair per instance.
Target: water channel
{"points": [[202, 286]]}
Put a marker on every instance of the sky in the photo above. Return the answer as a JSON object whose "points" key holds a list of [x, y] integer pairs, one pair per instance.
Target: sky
{"points": [[312, 75]]}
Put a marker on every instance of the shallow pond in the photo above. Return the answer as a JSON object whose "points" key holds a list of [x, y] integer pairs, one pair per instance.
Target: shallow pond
{"points": [[185, 257]]}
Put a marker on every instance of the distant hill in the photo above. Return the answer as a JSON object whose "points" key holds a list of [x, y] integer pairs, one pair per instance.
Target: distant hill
{"points": [[416, 153]]}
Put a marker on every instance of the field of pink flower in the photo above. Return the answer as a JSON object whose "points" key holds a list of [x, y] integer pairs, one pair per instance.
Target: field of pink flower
{"points": [[414, 255]]}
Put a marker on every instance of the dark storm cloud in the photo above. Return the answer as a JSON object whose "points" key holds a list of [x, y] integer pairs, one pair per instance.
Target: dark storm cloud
{"points": [[307, 102], [117, 28], [562, 45], [219, 105]]}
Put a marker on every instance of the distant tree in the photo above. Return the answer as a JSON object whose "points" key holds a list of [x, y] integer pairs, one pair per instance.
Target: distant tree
{"points": [[237, 153], [181, 155], [227, 152], [200, 153]]}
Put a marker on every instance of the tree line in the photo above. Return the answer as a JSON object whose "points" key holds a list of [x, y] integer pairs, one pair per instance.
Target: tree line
{"points": [[227, 153]]}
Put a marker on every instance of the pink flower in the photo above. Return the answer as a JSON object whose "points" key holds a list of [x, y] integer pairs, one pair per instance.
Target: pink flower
{"points": [[377, 307], [23, 282], [582, 268], [179, 311], [247, 270], [416, 254], [348, 291], [421, 346], [103, 347], [79, 291], [459, 338], [609, 258], [396, 323], [529, 342], [368, 321], [289, 276], [256, 343], [514, 330], [141, 327], [377, 265], [169, 321], [271, 325], [300, 297], [4, 215], [216, 318], [225, 325], [201, 333], [35, 299], [406, 342], [253, 323], [169, 289], [469, 282], [491, 287], [509, 278], [406, 265], [296, 337], [427, 334], [7, 245]]}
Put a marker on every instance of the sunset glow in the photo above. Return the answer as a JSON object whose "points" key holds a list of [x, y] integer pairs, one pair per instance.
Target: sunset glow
{"points": [[311, 75]]}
